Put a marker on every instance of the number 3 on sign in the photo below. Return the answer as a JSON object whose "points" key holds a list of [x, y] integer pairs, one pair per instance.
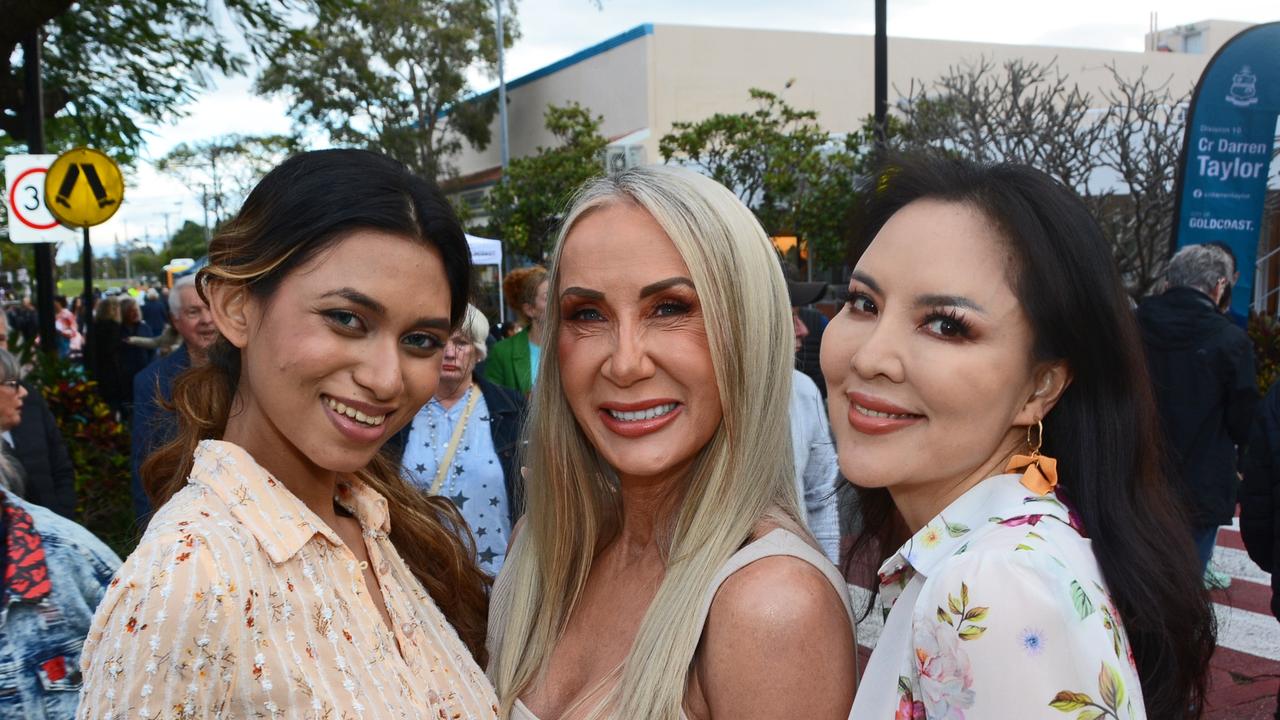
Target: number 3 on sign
{"points": [[29, 220]]}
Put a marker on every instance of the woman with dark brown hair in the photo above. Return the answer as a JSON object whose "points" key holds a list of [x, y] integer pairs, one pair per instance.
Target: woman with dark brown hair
{"points": [[289, 570]]}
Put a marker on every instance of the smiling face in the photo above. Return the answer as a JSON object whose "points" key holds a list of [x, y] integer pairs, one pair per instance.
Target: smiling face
{"points": [[343, 353], [633, 353], [929, 366]]}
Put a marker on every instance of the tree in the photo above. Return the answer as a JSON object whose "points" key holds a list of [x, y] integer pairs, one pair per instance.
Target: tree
{"points": [[222, 170], [526, 206], [1118, 152], [187, 242], [797, 177], [391, 75], [109, 67]]}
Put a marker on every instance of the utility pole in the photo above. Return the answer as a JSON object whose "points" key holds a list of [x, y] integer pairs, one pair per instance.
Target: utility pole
{"points": [[505, 149], [204, 201], [882, 74], [34, 92]]}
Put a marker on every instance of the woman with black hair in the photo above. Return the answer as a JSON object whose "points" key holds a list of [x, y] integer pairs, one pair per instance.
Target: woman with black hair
{"points": [[990, 402], [289, 570]]}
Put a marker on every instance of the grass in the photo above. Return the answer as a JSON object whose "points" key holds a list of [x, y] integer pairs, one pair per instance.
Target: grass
{"points": [[71, 287]]}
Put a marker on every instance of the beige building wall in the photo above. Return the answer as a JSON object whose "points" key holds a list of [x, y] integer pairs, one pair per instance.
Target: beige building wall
{"points": [[614, 83], [687, 73]]}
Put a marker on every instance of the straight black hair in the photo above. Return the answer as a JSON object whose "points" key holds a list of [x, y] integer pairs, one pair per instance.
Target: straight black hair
{"points": [[1104, 429]]}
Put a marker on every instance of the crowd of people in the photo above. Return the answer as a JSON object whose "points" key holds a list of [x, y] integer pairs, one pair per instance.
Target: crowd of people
{"points": [[358, 497]]}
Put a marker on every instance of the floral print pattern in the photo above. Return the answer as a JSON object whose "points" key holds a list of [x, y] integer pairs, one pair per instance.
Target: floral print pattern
{"points": [[1008, 616], [241, 603]]}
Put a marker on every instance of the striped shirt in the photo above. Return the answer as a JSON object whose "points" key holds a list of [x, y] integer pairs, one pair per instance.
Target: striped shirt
{"points": [[241, 602]]}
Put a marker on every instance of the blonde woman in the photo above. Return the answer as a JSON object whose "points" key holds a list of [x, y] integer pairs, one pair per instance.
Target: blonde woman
{"points": [[662, 570]]}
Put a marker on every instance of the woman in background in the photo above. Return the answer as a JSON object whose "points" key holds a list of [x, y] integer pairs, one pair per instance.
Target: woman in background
{"points": [[514, 362], [986, 335]]}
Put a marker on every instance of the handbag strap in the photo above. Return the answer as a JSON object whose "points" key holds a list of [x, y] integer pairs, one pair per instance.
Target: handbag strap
{"points": [[446, 462]]}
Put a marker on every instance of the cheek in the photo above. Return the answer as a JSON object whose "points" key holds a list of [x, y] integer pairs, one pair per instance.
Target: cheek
{"points": [[839, 342]]}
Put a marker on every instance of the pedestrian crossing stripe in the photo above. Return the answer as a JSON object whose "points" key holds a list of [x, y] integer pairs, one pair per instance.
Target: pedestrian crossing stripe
{"points": [[83, 188]]}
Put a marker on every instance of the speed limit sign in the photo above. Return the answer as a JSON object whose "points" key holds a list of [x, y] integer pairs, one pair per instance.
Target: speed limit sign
{"points": [[29, 220]]}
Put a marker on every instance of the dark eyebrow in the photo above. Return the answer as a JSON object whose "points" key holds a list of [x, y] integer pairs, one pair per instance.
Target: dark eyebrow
{"points": [[948, 301], [583, 292], [865, 279], [661, 285], [355, 296]]}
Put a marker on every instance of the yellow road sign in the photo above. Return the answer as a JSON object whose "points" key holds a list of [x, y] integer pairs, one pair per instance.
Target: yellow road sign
{"points": [[83, 188]]}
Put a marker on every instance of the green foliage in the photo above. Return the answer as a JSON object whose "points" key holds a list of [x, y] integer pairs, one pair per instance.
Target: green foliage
{"points": [[97, 442], [391, 75], [222, 170], [526, 206], [187, 242], [1264, 331], [110, 67], [797, 177]]}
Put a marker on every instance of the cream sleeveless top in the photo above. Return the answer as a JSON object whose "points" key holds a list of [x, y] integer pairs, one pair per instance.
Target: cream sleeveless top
{"points": [[774, 543]]}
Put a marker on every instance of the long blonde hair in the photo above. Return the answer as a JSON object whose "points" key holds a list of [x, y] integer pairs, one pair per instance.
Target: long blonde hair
{"points": [[743, 474]]}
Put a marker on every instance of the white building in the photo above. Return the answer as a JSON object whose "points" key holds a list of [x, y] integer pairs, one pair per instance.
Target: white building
{"points": [[653, 75]]}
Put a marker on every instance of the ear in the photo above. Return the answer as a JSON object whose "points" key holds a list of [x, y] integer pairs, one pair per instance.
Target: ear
{"points": [[234, 311], [1050, 380]]}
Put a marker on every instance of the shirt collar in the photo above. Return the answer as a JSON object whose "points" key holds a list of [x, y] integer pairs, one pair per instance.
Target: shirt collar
{"points": [[26, 573], [281, 523], [999, 500]]}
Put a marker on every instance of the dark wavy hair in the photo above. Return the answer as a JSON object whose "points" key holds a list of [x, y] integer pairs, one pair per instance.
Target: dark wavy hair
{"points": [[1104, 428], [301, 208]]}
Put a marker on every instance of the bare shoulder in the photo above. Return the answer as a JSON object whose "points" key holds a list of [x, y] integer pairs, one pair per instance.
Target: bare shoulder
{"points": [[778, 643]]}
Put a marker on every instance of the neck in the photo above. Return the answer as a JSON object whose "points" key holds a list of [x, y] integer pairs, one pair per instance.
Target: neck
{"points": [[535, 332], [647, 508], [920, 503], [197, 357], [449, 396], [249, 428]]}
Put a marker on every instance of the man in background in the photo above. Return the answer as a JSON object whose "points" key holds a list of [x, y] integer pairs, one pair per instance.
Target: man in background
{"points": [[153, 426], [1202, 372]]}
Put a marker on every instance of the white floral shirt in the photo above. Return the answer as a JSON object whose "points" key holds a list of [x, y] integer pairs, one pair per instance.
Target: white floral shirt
{"points": [[997, 609], [241, 603]]}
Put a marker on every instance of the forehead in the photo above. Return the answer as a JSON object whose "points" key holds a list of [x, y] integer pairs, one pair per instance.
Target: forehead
{"points": [[934, 247], [400, 273], [622, 243]]}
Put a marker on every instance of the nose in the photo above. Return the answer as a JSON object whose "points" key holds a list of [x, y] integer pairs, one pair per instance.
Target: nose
{"points": [[879, 354], [379, 371], [629, 363]]}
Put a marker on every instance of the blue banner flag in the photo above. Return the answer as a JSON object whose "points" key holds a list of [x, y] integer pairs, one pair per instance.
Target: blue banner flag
{"points": [[1226, 154]]}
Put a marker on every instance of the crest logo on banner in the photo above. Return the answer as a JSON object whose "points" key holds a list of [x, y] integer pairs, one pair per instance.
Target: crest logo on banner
{"points": [[1244, 88]]}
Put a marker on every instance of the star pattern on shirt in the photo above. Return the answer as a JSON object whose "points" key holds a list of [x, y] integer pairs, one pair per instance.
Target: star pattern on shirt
{"points": [[460, 500], [493, 502], [488, 555]]}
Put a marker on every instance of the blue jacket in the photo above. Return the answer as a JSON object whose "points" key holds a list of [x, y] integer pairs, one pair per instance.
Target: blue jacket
{"points": [[152, 426], [155, 316], [45, 613]]}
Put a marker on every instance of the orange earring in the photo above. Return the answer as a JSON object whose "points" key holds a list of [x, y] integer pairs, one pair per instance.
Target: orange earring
{"points": [[1039, 472]]}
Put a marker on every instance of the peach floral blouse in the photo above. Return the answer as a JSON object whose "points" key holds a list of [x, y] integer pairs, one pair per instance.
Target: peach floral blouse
{"points": [[241, 603]]}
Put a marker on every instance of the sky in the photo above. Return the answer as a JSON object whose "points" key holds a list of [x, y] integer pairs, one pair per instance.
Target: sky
{"points": [[553, 29]]}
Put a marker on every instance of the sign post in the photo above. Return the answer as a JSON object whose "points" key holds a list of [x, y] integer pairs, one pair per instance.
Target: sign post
{"points": [[1226, 153], [84, 188]]}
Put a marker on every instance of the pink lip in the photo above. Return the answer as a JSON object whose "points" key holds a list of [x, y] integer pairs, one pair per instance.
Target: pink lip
{"points": [[637, 428], [868, 425]]}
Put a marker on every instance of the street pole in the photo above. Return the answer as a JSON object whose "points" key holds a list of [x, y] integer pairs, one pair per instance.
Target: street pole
{"points": [[882, 74], [86, 305], [35, 145], [503, 144]]}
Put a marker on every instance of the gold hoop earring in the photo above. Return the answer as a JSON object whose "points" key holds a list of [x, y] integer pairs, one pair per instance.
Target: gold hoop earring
{"points": [[1039, 472], [1033, 447]]}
